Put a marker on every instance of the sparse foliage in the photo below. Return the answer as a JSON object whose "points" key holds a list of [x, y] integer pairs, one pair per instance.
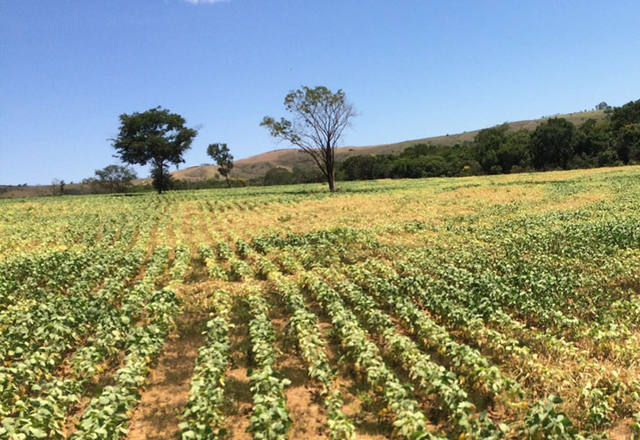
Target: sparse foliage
{"points": [[57, 187], [319, 120]]}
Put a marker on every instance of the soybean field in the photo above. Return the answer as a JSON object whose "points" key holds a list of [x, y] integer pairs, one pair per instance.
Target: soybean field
{"points": [[453, 308]]}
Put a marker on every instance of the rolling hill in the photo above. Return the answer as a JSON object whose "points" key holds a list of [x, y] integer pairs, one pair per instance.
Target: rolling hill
{"points": [[258, 165]]}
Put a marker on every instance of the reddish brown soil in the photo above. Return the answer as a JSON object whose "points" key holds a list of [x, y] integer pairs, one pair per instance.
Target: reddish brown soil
{"points": [[238, 404], [368, 425], [305, 408], [622, 431], [157, 415], [304, 403]]}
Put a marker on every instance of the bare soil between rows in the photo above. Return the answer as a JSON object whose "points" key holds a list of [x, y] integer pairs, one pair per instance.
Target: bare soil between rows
{"points": [[167, 391]]}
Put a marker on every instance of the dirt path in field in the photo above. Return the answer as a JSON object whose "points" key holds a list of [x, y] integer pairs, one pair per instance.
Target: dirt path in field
{"points": [[304, 403], [157, 415], [237, 409]]}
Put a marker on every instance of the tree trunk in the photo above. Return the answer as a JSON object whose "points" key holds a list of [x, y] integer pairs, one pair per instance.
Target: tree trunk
{"points": [[331, 178], [160, 176], [330, 159], [228, 181]]}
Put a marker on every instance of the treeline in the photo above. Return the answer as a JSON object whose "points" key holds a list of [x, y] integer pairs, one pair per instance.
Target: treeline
{"points": [[555, 144], [274, 176]]}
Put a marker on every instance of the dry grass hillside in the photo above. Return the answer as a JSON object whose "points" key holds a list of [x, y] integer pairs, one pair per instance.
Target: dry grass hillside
{"points": [[258, 165]]}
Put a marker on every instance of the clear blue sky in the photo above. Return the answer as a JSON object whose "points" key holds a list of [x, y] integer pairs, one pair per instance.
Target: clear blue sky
{"points": [[412, 68]]}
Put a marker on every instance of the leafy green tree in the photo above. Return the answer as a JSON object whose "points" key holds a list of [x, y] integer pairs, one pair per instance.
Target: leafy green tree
{"points": [[223, 158], [608, 157], [307, 175], [592, 137], [551, 144], [319, 120], [628, 145], [625, 115], [155, 136], [278, 176], [497, 150], [514, 151], [366, 167], [115, 178], [422, 166], [487, 144], [422, 150]]}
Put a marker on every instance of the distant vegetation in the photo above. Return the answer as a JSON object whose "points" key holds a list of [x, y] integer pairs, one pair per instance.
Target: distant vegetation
{"points": [[556, 143], [224, 159], [112, 179], [599, 139]]}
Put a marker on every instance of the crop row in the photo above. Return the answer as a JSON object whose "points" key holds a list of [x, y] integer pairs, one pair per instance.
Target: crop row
{"points": [[203, 417], [269, 418], [303, 324], [34, 344], [107, 415], [408, 421], [116, 310], [432, 379]]}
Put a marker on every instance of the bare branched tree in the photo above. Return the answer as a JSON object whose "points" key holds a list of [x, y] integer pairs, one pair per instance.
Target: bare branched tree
{"points": [[57, 186], [319, 119]]}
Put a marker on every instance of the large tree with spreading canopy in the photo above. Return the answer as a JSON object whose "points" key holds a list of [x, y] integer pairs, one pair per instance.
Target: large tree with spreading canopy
{"points": [[155, 136]]}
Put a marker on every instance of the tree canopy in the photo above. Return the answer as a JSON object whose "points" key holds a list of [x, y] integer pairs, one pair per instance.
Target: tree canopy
{"points": [[552, 144], [223, 158], [625, 115], [319, 118], [487, 144], [155, 136], [115, 178]]}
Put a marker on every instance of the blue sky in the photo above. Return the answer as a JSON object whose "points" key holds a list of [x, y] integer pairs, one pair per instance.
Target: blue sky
{"points": [[412, 68]]}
